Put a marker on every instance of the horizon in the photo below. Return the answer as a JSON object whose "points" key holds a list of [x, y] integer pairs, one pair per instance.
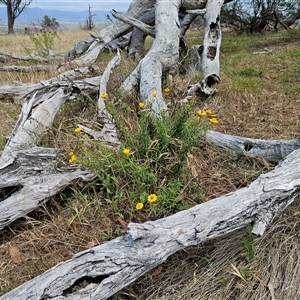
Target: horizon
{"points": [[81, 6]]}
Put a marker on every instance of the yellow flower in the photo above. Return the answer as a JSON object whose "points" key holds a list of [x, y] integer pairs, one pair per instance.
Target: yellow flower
{"points": [[139, 206], [153, 94], [201, 113], [141, 105], [209, 111], [71, 153], [167, 90], [126, 151], [214, 121], [72, 159], [104, 95], [152, 198], [206, 199], [78, 130]]}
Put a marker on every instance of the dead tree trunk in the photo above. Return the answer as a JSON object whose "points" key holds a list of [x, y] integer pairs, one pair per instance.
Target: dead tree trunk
{"points": [[100, 272], [162, 57], [211, 49]]}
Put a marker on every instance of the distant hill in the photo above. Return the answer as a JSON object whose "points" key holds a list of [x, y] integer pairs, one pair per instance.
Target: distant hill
{"points": [[35, 14]]}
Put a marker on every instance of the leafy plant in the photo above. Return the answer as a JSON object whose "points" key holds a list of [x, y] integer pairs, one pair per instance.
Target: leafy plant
{"points": [[43, 40], [250, 250], [150, 163]]}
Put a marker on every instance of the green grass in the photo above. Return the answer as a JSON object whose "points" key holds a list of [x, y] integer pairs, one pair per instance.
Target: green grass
{"points": [[153, 164]]}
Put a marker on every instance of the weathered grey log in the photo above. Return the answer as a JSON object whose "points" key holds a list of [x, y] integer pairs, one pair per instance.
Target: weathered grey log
{"points": [[25, 69], [103, 270], [149, 30], [17, 91], [32, 124], [80, 48], [31, 178], [109, 130], [162, 57], [110, 33], [108, 135], [119, 43], [137, 40], [271, 150], [36, 117], [5, 56]]}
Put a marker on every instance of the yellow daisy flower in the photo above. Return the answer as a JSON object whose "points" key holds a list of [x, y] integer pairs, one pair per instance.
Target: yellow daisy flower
{"points": [[153, 94], [201, 113], [78, 130], [167, 90], [72, 159], [139, 206], [126, 151], [152, 198], [214, 121], [104, 95], [209, 111], [71, 153], [141, 105]]}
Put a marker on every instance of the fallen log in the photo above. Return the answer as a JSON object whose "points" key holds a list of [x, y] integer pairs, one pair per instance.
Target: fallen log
{"points": [[271, 150], [19, 91], [103, 270], [108, 135], [4, 56], [29, 69], [32, 177]]}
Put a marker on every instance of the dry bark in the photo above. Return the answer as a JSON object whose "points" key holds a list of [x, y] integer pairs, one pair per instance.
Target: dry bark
{"points": [[100, 272], [19, 91], [137, 40], [31, 178], [4, 57], [162, 57], [271, 150], [24, 69], [110, 33], [108, 135], [211, 50]]}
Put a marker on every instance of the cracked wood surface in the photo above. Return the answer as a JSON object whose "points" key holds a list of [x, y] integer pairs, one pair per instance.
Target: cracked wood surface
{"points": [[271, 150], [162, 57], [21, 90], [103, 270], [31, 178]]}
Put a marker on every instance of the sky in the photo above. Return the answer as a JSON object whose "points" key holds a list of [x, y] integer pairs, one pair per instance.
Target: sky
{"points": [[76, 5]]}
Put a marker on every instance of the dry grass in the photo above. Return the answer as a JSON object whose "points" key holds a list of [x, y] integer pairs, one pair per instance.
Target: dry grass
{"points": [[258, 97]]}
